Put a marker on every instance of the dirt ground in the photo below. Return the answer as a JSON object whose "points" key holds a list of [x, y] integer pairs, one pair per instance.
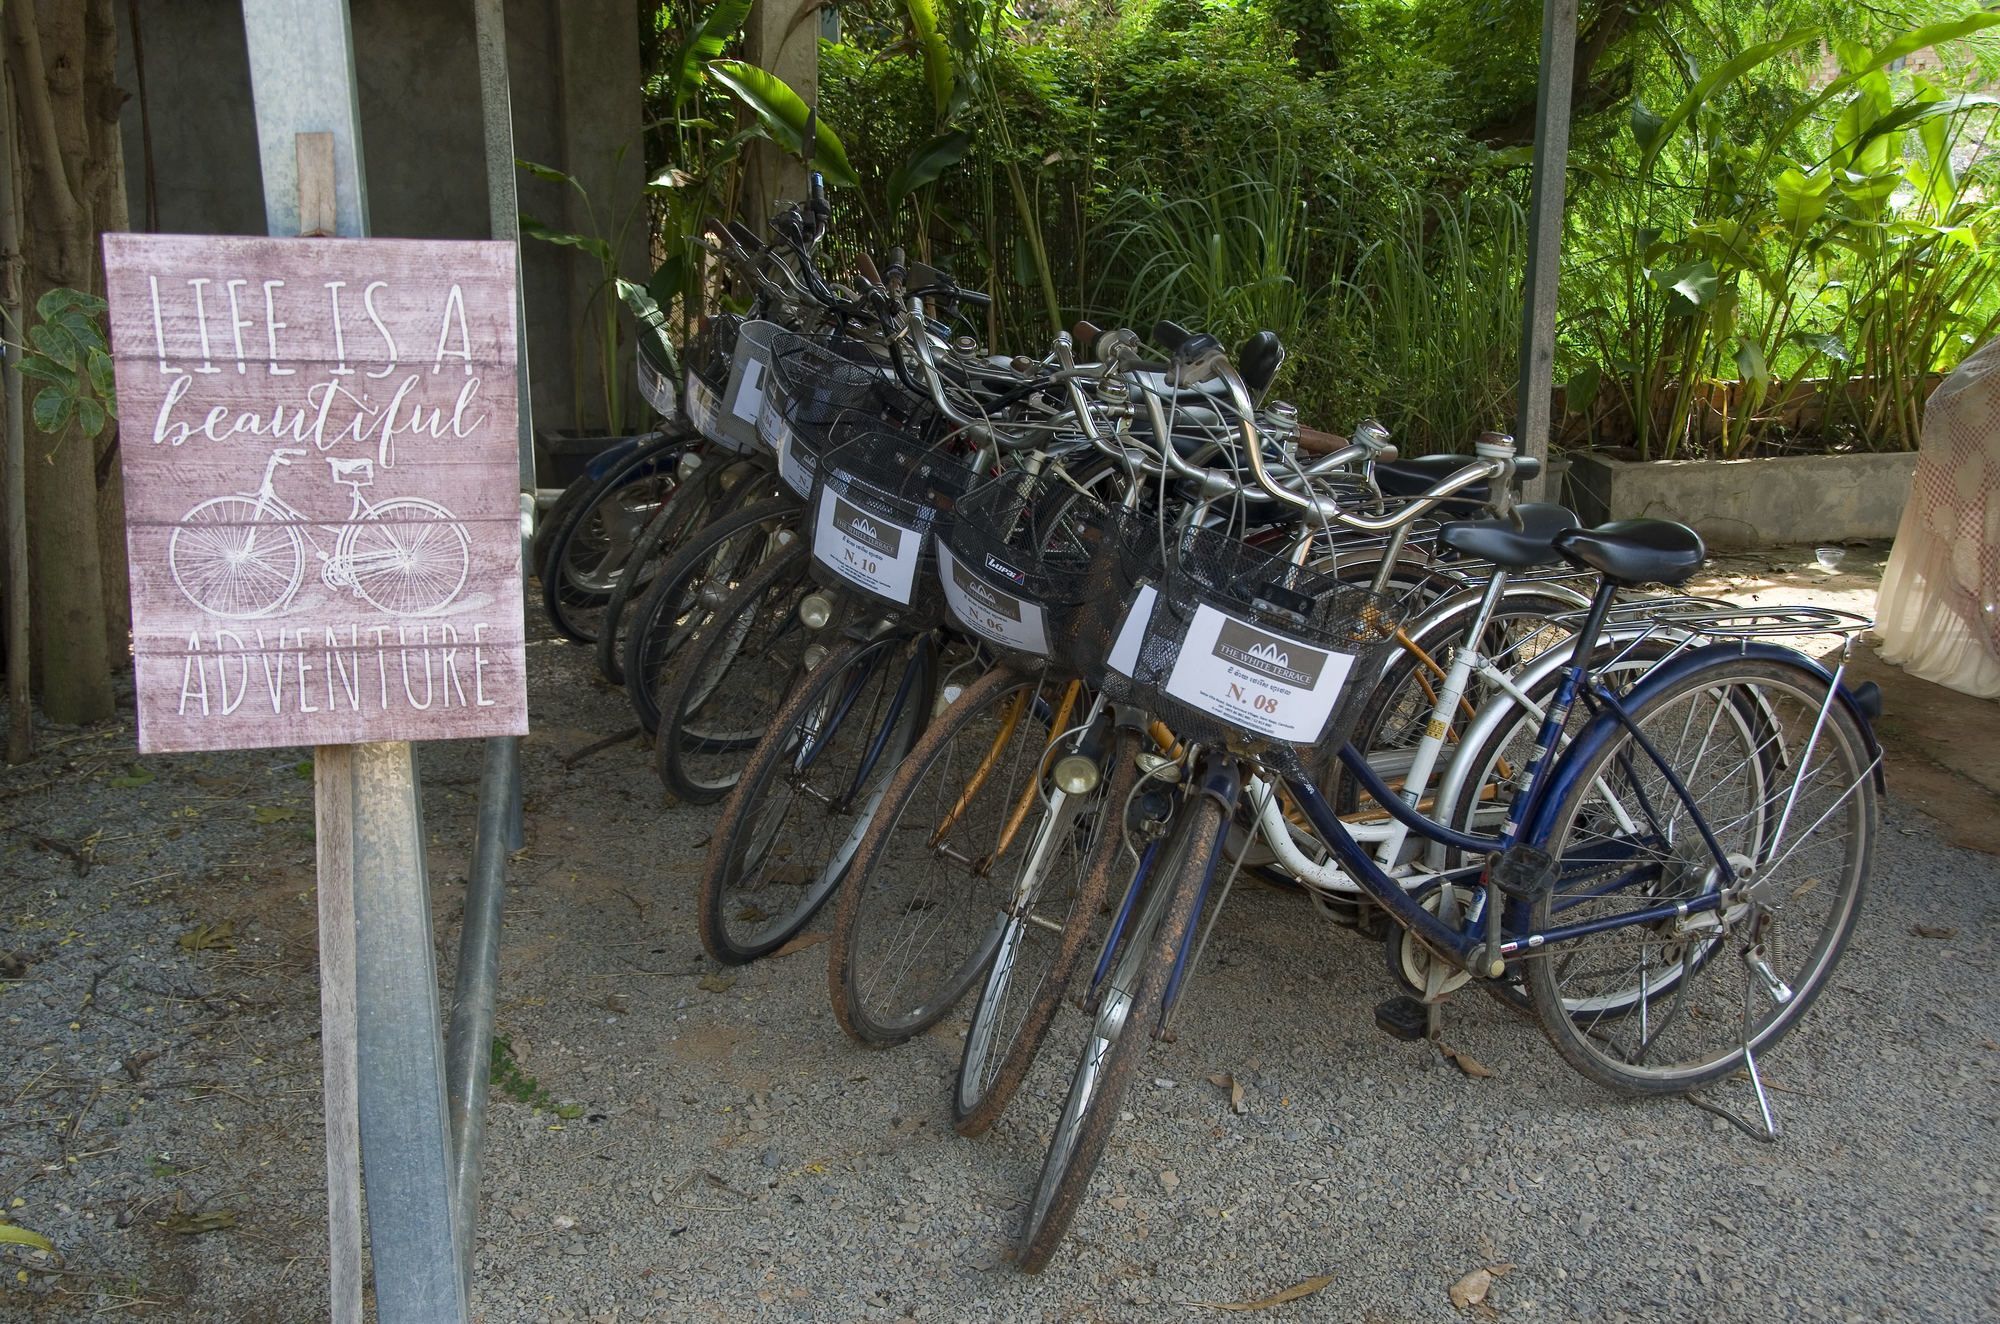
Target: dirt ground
{"points": [[673, 1141]]}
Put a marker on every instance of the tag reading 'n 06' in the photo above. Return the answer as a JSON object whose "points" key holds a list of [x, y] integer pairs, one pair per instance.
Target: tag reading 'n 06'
{"points": [[985, 610]]}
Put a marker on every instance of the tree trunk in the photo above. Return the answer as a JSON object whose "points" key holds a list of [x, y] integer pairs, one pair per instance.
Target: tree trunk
{"points": [[58, 55]]}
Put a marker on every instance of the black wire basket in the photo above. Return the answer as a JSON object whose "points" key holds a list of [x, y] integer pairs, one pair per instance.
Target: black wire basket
{"points": [[1222, 641], [1032, 567], [880, 501], [826, 390]]}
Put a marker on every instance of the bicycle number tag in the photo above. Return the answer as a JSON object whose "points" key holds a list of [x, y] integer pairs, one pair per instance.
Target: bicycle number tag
{"points": [[749, 401], [1124, 657], [868, 551], [657, 387], [1257, 680], [777, 434], [704, 409], [1001, 617]]}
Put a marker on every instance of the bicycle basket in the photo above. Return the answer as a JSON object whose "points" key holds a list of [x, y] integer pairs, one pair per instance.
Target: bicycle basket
{"points": [[742, 396], [1222, 639], [658, 370], [820, 391], [708, 374], [1024, 567], [880, 500]]}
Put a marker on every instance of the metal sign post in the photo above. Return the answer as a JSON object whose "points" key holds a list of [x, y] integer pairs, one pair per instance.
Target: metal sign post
{"points": [[1534, 396]]}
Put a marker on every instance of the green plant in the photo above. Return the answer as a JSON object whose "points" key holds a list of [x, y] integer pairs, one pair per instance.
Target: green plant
{"points": [[507, 1076], [600, 328], [66, 350]]}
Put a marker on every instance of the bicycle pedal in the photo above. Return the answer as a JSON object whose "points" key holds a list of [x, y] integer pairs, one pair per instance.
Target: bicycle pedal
{"points": [[1522, 871], [1403, 1018]]}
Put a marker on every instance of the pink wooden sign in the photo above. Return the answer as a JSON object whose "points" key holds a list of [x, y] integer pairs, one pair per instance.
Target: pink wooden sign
{"points": [[319, 447]]}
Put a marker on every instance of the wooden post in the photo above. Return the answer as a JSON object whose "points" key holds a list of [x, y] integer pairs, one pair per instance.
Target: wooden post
{"points": [[333, 827], [14, 479]]}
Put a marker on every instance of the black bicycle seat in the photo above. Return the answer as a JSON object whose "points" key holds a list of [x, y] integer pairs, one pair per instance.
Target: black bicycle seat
{"points": [[1635, 551], [1419, 474], [1504, 544], [1259, 360]]}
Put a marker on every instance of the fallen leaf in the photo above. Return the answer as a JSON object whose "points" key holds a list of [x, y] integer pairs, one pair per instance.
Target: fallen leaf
{"points": [[1170, 1181], [1466, 1062], [208, 937], [751, 914], [1472, 1289], [1236, 1104], [716, 983], [137, 777], [11, 1235], [273, 813], [1295, 1292], [194, 1225], [1932, 931], [800, 943]]}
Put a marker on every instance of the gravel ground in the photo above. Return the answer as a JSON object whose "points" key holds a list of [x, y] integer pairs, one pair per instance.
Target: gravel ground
{"points": [[675, 1142]]}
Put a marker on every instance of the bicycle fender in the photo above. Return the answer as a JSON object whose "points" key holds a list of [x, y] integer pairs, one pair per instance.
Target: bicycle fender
{"points": [[1606, 726], [1221, 780]]}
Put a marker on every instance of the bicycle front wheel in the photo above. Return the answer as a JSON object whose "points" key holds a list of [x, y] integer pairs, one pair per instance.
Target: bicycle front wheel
{"points": [[1128, 1011], [795, 820], [1782, 776], [734, 674]]}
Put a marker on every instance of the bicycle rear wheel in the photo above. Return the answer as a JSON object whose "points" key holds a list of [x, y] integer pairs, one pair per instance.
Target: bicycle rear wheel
{"points": [[1128, 1012], [790, 828], [733, 674], [1784, 780]]}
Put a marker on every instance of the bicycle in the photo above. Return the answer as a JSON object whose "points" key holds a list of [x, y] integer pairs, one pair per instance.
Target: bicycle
{"points": [[1657, 835], [242, 556]]}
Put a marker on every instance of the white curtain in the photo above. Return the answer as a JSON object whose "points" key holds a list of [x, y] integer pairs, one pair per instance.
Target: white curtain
{"points": [[1939, 610]]}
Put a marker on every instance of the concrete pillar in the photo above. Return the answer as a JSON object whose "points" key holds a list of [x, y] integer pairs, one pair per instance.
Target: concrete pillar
{"points": [[783, 37]]}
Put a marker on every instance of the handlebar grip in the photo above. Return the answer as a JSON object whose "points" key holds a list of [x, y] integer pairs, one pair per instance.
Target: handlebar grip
{"points": [[1314, 442], [1170, 336], [1527, 468], [867, 268], [819, 203], [898, 267], [973, 297], [1085, 334]]}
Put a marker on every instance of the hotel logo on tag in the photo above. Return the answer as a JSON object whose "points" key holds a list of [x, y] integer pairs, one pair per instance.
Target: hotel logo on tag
{"points": [[1000, 604], [1281, 659], [877, 536]]}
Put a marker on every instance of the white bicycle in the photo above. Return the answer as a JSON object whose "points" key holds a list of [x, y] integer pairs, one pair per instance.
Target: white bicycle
{"points": [[243, 556]]}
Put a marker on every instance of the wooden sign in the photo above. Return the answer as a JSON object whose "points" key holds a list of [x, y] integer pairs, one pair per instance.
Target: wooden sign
{"points": [[321, 476]]}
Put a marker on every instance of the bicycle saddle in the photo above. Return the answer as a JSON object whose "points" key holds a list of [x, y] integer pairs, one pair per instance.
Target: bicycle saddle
{"points": [[361, 467], [1415, 476], [1259, 360], [1499, 541], [1635, 551]]}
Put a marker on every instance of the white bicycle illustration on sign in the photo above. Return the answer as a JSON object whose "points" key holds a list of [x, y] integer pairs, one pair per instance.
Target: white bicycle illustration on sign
{"points": [[243, 555]]}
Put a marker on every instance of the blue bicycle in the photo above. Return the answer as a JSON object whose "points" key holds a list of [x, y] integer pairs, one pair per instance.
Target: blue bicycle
{"points": [[1674, 874]]}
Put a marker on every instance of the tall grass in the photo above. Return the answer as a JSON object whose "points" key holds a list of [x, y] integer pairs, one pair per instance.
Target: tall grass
{"points": [[1427, 317]]}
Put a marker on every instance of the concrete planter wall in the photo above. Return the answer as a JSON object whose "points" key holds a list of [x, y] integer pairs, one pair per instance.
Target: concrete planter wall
{"points": [[1750, 503]]}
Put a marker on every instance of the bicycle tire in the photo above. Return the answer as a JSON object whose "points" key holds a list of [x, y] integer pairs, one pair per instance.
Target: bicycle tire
{"points": [[689, 506], [682, 596], [916, 921], [1776, 707], [1001, 1048], [735, 669], [1119, 1034], [572, 595], [758, 810]]}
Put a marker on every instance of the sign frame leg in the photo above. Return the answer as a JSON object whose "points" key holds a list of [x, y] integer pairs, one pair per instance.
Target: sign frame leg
{"points": [[333, 821]]}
